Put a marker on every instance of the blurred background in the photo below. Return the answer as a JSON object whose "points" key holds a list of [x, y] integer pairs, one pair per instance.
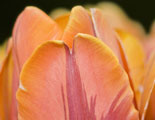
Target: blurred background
{"points": [[140, 10]]}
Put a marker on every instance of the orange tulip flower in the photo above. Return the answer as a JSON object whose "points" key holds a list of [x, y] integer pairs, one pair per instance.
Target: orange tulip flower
{"points": [[76, 66]]}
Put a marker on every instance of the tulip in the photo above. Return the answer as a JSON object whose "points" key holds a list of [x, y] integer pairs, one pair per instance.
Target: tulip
{"points": [[75, 66]]}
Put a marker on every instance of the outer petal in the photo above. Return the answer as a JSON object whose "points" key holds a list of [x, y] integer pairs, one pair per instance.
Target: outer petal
{"points": [[79, 22], [103, 79], [32, 28], [6, 72], [148, 85], [42, 90], [136, 58]]}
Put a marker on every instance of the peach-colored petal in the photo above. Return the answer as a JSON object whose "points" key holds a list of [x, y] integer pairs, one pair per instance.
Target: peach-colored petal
{"points": [[42, 91], [105, 83], [136, 57], [79, 22], [105, 32], [32, 28], [62, 21], [6, 72], [87, 83], [148, 85], [151, 107]]}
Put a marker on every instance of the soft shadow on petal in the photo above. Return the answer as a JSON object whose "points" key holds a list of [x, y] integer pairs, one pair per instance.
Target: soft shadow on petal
{"points": [[136, 58]]}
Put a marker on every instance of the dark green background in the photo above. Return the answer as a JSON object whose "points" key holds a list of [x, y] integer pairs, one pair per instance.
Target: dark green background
{"points": [[141, 10]]}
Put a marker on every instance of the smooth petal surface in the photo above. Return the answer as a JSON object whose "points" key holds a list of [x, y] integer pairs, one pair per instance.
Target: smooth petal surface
{"points": [[32, 28], [86, 84], [79, 22], [103, 79], [136, 58], [62, 21], [42, 90], [104, 32], [6, 75], [148, 86]]}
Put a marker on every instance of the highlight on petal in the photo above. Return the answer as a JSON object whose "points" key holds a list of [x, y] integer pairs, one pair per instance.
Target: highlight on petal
{"points": [[119, 19], [105, 82], [6, 74], [79, 22], [148, 86], [32, 28], [136, 58]]}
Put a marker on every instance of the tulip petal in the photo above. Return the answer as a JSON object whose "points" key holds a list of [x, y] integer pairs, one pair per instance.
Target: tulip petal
{"points": [[104, 79], [104, 32], [79, 22], [32, 28], [6, 72], [151, 108], [42, 89], [148, 86], [62, 21], [135, 61]]}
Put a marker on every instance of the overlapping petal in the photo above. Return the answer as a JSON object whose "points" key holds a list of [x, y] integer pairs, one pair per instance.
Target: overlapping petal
{"points": [[62, 87], [136, 59], [79, 22], [32, 28], [6, 75], [148, 86]]}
